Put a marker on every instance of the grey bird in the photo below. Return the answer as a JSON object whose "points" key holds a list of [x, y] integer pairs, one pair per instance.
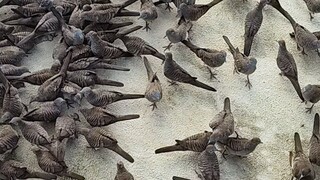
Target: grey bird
{"points": [[222, 124], [93, 63], [175, 2], [252, 25], [314, 149], [9, 139], [105, 26], [242, 63], [299, 162], [49, 163], [153, 91], [306, 41], [208, 164], [194, 12], [174, 72], [122, 172], [12, 70], [137, 46], [112, 35], [97, 116], [11, 55], [71, 92], [167, 2], [99, 138], [196, 143], [288, 67], [311, 93], [101, 98], [211, 57], [148, 12], [47, 111], [179, 33], [5, 29], [65, 126], [313, 7]]}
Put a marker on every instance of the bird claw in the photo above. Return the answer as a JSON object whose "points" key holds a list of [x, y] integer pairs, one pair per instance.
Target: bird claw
{"points": [[147, 27], [154, 106], [69, 104], [212, 74], [168, 7], [248, 83], [311, 17], [172, 83], [167, 47]]}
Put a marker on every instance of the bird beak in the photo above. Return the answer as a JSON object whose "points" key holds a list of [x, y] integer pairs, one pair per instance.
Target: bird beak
{"points": [[165, 36]]}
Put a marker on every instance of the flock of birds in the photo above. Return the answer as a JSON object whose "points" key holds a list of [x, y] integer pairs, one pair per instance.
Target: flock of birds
{"points": [[86, 45]]}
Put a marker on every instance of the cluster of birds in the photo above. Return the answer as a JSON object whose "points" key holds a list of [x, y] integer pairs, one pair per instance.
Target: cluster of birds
{"points": [[86, 45]]}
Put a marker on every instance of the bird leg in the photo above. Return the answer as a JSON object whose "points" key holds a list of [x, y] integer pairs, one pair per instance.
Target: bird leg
{"points": [[69, 103], [235, 70], [309, 109], [318, 52], [167, 47], [168, 7], [172, 83], [311, 16], [154, 106], [212, 74], [147, 27], [248, 83]]}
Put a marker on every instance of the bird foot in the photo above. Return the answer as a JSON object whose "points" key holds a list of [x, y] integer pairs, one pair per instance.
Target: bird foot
{"points": [[173, 83], [311, 17], [292, 35], [168, 7], [167, 47], [154, 106], [212, 75], [248, 83], [308, 110], [69, 104], [147, 27]]}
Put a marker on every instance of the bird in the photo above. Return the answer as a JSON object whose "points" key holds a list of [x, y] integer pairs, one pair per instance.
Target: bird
{"points": [[122, 172], [12, 70], [174, 72], [313, 7], [208, 164], [306, 40], [148, 12], [311, 93], [314, 149], [9, 138], [65, 126]]}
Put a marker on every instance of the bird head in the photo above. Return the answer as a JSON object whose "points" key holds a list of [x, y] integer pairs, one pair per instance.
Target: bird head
{"points": [[120, 166], [169, 32], [60, 102], [56, 66], [86, 91], [168, 56], [78, 37], [143, 15], [15, 120], [256, 141]]}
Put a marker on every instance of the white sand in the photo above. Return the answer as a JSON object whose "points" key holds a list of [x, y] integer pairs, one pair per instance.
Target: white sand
{"points": [[271, 110]]}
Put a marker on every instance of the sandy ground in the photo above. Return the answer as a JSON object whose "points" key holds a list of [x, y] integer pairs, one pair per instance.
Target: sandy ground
{"points": [[271, 110]]}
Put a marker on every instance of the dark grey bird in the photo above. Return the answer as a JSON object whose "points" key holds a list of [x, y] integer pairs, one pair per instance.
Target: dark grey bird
{"points": [[97, 116], [311, 93], [242, 63], [65, 126], [122, 172], [222, 124], [306, 40], [112, 35], [208, 164], [154, 91], [301, 166], [313, 7], [12, 70], [288, 67], [314, 149], [179, 178], [105, 26], [93, 63], [193, 12], [252, 25], [148, 12], [174, 72], [211, 57], [196, 143], [101, 98], [175, 2], [99, 138], [71, 92], [11, 55], [29, 10], [9, 139]]}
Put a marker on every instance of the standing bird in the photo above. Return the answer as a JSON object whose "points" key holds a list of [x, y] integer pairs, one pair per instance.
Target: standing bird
{"points": [[301, 166], [288, 67], [313, 7], [222, 124], [314, 149], [208, 164], [196, 143], [9, 138], [122, 172], [242, 63], [306, 40], [99, 138], [175, 72], [252, 25], [311, 93], [211, 57], [154, 91], [65, 126], [148, 12]]}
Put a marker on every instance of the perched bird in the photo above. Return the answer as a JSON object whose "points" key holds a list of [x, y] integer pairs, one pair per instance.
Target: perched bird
{"points": [[211, 57], [311, 93], [208, 164], [288, 67], [148, 12], [313, 7], [154, 91], [252, 25], [9, 139], [314, 149], [99, 138], [222, 124], [242, 63], [122, 172], [178, 33], [174, 72], [101, 98], [98, 117], [301, 166], [196, 143], [65, 126]]}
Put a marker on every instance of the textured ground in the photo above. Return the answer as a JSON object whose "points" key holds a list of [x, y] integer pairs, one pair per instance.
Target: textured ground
{"points": [[271, 110]]}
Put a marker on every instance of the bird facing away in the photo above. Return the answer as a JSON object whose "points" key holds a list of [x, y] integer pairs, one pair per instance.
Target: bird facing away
{"points": [[122, 172], [301, 166], [311, 93], [313, 7], [288, 67], [9, 138], [65, 126], [314, 149], [148, 12], [153, 91], [196, 143], [242, 63], [208, 164], [222, 124], [174, 72], [306, 40], [194, 12]]}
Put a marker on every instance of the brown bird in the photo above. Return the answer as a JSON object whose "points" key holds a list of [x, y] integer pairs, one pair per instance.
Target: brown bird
{"points": [[99, 138], [9, 139], [222, 124], [93, 63], [154, 91], [193, 12], [105, 26], [112, 35], [12, 70], [208, 164], [311, 93], [174, 72], [11, 55], [148, 12], [65, 126], [301, 166], [314, 149], [196, 143], [122, 172], [100, 98], [288, 67], [98, 117]]}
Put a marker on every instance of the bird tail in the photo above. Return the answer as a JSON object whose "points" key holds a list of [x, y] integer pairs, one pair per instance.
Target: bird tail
{"points": [[119, 25], [169, 149], [227, 106], [160, 56], [128, 31], [191, 46], [179, 178], [73, 175], [126, 54], [231, 47], [213, 2], [112, 67], [126, 117], [4, 2], [150, 72], [127, 3], [42, 175], [122, 153], [18, 11], [125, 12], [316, 124], [247, 45], [297, 143], [58, 16], [202, 85], [27, 38], [131, 96], [297, 87], [109, 82]]}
